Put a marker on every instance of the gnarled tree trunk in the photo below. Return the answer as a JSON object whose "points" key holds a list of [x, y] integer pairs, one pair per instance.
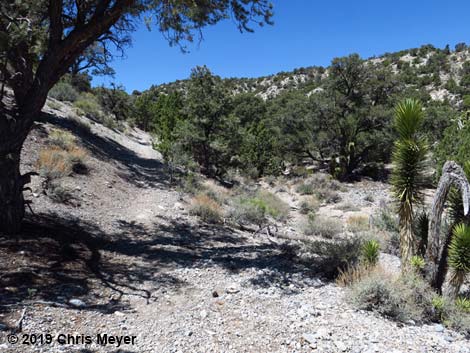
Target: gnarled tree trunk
{"points": [[11, 192], [452, 175], [15, 125]]}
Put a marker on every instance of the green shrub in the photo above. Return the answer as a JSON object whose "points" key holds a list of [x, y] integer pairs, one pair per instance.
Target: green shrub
{"points": [[324, 227], [306, 189], [405, 298], [255, 209], [88, 104], [417, 263], [62, 139], [63, 91], [386, 219], [328, 258]]}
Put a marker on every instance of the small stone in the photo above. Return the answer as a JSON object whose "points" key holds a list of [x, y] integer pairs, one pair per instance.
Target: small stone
{"points": [[438, 328], [449, 338], [77, 303], [178, 206], [341, 346], [232, 289], [35, 195], [215, 294], [203, 314], [119, 313], [309, 338], [189, 333]]}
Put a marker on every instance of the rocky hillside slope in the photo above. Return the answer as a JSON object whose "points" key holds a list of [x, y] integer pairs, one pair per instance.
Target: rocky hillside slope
{"points": [[435, 71]]}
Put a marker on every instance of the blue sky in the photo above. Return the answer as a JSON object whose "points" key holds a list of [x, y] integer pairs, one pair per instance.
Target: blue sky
{"points": [[305, 33]]}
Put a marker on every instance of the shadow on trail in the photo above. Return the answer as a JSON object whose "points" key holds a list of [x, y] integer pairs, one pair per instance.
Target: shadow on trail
{"points": [[56, 259]]}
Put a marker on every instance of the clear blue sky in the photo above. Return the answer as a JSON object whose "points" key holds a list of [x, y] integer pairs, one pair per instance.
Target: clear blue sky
{"points": [[305, 33]]}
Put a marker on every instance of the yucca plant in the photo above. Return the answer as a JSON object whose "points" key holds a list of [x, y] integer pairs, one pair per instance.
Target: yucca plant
{"points": [[408, 179], [459, 259], [417, 263], [370, 252]]}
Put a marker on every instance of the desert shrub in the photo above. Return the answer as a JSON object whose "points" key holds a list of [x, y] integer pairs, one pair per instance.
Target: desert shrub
{"points": [[328, 195], [273, 205], [54, 105], [207, 209], [417, 263], [80, 124], [454, 314], [59, 193], [77, 157], [62, 139], [370, 252], [55, 162], [347, 207], [191, 184], [329, 258], [63, 91], [306, 189], [386, 219], [310, 205], [89, 105], [358, 223], [404, 298], [247, 211], [323, 226], [257, 208]]}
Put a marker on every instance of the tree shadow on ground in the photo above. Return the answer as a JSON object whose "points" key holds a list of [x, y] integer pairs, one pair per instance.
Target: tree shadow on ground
{"points": [[56, 259], [135, 169]]}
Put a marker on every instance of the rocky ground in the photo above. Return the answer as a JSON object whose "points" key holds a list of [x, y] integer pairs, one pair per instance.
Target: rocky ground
{"points": [[126, 259]]}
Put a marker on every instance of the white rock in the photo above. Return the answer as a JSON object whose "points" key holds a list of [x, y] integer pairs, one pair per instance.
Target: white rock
{"points": [[203, 314], [77, 303]]}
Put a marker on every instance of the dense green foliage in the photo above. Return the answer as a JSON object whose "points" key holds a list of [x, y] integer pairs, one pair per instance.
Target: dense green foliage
{"points": [[339, 119]]}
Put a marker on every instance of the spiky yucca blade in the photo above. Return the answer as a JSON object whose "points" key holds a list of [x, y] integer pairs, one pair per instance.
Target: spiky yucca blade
{"points": [[408, 118], [459, 249], [459, 259]]}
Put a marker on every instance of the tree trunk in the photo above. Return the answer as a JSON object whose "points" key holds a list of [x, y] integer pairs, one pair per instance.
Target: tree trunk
{"points": [[452, 174], [11, 193]]}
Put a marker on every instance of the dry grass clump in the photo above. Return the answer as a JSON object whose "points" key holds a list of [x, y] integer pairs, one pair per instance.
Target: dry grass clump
{"points": [[309, 205], [62, 157], [206, 208], [357, 224], [322, 226]]}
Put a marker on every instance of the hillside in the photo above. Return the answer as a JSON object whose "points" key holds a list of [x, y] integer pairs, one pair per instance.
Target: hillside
{"points": [[125, 253], [438, 72]]}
